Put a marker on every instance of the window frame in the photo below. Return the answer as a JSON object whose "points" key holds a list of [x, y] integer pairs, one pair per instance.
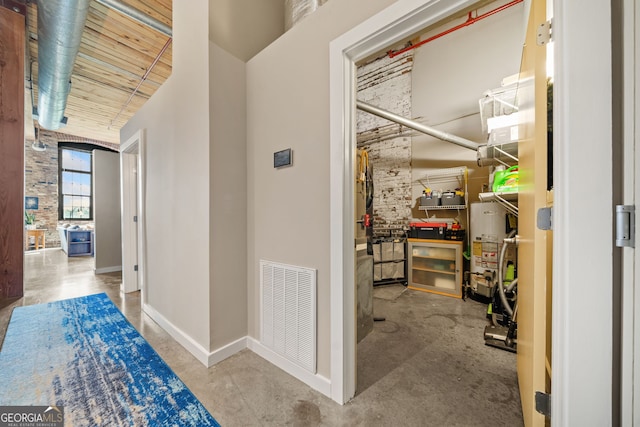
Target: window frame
{"points": [[61, 195]]}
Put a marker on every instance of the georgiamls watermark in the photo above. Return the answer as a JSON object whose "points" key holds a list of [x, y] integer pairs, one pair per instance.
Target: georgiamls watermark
{"points": [[31, 416]]}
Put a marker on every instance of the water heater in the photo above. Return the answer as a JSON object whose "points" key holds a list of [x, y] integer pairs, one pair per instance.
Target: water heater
{"points": [[490, 223]]}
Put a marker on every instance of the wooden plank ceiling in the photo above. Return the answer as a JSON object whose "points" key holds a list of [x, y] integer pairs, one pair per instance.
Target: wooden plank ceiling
{"points": [[115, 53]]}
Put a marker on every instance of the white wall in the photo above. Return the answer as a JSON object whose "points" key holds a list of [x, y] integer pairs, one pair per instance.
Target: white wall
{"points": [[450, 75], [176, 120], [106, 211], [228, 200], [245, 27], [288, 107]]}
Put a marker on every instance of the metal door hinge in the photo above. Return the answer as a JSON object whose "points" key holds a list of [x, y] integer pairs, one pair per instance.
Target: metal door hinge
{"points": [[544, 219], [544, 34], [543, 403], [626, 226], [135, 267], [135, 218]]}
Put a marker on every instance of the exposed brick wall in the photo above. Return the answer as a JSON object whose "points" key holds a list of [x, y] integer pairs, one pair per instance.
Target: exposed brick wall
{"points": [[386, 83], [41, 180]]}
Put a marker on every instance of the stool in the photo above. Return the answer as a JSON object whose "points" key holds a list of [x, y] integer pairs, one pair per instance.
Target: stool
{"points": [[38, 236]]}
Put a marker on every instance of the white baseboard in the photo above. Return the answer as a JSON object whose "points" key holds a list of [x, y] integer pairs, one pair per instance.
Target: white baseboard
{"points": [[108, 269], [227, 351], [41, 250], [315, 381], [205, 357], [183, 339]]}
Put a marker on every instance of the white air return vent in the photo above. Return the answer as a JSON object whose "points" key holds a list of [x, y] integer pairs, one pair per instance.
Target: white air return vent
{"points": [[288, 312]]}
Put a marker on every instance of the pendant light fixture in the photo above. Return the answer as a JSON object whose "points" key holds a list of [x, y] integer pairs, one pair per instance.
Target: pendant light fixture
{"points": [[38, 145]]}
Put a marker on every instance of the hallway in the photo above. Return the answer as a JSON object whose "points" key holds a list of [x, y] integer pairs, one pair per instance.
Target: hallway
{"points": [[426, 364]]}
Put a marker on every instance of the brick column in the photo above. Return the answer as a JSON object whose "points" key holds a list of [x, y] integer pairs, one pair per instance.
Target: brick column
{"points": [[386, 83]]}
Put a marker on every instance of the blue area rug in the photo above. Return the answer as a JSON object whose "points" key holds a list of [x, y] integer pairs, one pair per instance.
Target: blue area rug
{"points": [[83, 354]]}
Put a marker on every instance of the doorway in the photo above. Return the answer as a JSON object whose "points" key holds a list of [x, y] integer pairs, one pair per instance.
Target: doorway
{"points": [[362, 42], [132, 193], [407, 80], [571, 333]]}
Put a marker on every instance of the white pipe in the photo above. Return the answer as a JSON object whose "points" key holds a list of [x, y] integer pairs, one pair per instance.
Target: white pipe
{"points": [[137, 15], [466, 143]]}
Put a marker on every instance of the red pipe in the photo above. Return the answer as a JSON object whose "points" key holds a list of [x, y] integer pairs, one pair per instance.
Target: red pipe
{"points": [[468, 22]]}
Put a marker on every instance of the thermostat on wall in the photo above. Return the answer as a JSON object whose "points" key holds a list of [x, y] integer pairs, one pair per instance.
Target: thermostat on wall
{"points": [[282, 158]]}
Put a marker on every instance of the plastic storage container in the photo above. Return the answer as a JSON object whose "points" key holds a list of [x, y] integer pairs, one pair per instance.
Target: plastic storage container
{"points": [[449, 198], [429, 201]]}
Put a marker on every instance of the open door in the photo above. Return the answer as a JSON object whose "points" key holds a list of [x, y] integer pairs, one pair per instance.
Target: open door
{"points": [[129, 178], [132, 193], [364, 259], [12, 125], [534, 251]]}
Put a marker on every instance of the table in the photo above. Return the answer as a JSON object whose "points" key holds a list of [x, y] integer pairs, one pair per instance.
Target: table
{"points": [[37, 234]]}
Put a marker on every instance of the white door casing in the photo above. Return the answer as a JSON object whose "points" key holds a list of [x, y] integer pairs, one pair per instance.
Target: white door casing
{"points": [[630, 298], [398, 21], [129, 195], [581, 386], [132, 155], [633, 142]]}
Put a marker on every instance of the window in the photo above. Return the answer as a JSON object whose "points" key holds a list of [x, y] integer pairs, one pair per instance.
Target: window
{"points": [[75, 184]]}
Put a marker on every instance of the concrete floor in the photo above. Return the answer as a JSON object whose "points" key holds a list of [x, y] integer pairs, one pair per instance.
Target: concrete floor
{"points": [[425, 365]]}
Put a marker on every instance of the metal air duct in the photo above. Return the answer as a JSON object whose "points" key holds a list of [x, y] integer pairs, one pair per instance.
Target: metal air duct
{"points": [[60, 26], [295, 10]]}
